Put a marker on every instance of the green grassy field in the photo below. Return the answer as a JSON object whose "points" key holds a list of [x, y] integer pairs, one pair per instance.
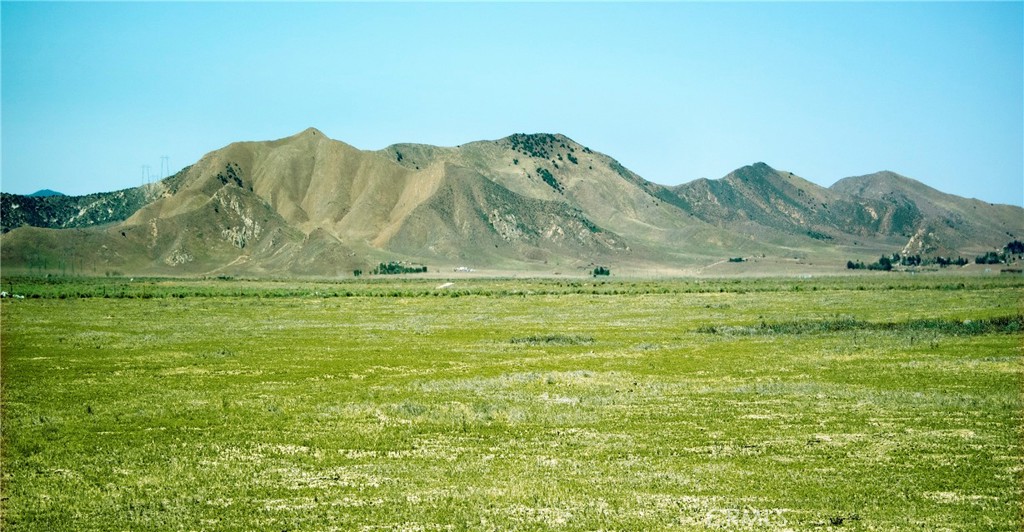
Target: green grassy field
{"points": [[861, 403]]}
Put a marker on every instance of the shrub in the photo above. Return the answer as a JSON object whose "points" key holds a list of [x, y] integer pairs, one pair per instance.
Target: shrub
{"points": [[991, 257], [553, 339], [393, 268], [549, 179]]}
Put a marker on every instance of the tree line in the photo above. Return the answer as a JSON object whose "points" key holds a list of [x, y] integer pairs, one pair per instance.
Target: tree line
{"points": [[1014, 249], [394, 268], [1010, 251]]}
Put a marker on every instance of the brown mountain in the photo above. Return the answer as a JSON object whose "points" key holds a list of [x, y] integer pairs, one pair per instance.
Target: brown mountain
{"points": [[309, 205], [882, 210], [937, 223]]}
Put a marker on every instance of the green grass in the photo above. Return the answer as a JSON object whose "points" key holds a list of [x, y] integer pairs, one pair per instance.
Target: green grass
{"points": [[861, 403]]}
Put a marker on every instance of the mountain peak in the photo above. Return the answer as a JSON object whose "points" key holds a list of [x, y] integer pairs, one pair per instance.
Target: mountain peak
{"points": [[306, 136], [541, 145], [44, 193], [753, 172], [880, 183], [310, 132], [537, 137]]}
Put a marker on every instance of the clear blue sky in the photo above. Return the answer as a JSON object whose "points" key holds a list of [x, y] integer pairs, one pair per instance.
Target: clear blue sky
{"points": [[675, 91]]}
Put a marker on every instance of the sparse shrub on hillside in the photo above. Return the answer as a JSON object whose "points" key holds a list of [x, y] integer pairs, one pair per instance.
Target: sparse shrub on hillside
{"points": [[737, 259], [532, 145], [818, 235], [232, 173], [549, 179], [621, 170]]}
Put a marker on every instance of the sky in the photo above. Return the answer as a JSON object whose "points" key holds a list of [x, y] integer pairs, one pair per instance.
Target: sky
{"points": [[90, 93]]}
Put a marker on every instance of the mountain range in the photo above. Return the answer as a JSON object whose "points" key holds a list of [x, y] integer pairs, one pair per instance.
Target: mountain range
{"points": [[307, 205]]}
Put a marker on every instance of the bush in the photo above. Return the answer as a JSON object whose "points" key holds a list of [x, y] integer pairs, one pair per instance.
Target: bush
{"points": [[553, 339], [549, 179], [394, 268], [947, 261], [884, 264], [991, 257]]}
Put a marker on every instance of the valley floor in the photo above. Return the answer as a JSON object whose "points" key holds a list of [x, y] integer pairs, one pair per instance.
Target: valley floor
{"points": [[867, 403]]}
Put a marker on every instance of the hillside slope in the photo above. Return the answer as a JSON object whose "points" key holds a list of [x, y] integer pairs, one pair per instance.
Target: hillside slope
{"points": [[60, 211], [938, 223], [883, 210], [310, 205]]}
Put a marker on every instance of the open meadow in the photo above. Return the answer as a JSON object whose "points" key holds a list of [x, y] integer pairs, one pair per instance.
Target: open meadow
{"points": [[874, 402]]}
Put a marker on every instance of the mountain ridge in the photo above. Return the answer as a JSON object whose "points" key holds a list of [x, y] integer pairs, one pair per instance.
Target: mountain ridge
{"points": [[310, 205]]}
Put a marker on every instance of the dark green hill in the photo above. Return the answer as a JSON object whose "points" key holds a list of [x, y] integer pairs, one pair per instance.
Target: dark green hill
{"points": [[59, 211], [45, 193]]}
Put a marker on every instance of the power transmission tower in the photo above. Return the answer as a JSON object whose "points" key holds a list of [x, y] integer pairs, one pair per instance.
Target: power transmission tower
{"points": [[165, 166]]}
